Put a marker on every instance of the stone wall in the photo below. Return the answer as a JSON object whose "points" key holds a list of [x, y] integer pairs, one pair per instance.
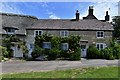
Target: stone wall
{"points": [[89, 36]]}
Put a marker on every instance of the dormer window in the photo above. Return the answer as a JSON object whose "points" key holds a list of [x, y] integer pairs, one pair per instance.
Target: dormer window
{"points": [[10, 30]]}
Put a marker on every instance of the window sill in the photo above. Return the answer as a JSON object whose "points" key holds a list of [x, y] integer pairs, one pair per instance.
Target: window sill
{"points": [[100, 38]]}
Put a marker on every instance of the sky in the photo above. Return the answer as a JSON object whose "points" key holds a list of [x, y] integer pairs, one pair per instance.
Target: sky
{"points": [[59, 10]]}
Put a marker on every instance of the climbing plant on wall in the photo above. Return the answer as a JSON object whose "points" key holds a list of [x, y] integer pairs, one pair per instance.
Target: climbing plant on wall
{"points": [[73, 53], [10, 40]]}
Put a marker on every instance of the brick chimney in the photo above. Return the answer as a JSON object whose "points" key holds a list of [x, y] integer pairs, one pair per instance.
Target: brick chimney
{"points": [[107, 17], [90, 10], [90, 14], [77, 15]]}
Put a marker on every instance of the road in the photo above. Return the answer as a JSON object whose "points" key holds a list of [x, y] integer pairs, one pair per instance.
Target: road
{"points": [[17, 66]]}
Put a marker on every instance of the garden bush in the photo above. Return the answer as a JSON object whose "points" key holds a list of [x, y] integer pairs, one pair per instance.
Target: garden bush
{"points": [[64, 54], [38, 51], [108, 53], [93, 53], [4, 52], [75, 55], [54, 53], [116, 51]]}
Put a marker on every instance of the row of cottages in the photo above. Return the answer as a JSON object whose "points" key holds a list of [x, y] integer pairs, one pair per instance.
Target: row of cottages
{"points": [[91, 30]]}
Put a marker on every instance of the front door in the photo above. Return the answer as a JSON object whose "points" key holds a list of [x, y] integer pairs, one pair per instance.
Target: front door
{"points": [[17, 51], [83, 50]]}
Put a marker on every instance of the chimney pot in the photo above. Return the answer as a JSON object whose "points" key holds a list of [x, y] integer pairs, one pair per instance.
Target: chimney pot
{"points": [[90, 10], [77, 15], [107, 17]]}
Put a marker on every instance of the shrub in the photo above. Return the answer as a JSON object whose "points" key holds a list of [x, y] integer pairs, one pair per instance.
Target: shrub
{"points": [[3, 51], [56, 42], [75, 55], [38, 51], [93, 53], [116, 51], [74, 41], [108, 53], [64, 54], [53, 53]]}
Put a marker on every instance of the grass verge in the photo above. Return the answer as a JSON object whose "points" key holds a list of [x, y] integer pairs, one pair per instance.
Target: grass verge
{"points": [[91, 73]]}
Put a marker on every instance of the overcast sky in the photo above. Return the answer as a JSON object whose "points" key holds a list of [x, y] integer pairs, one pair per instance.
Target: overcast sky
{"points": [[59, 10]]}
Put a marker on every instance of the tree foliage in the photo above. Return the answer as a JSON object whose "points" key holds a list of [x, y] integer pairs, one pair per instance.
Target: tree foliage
{"points": [[116, 24]]}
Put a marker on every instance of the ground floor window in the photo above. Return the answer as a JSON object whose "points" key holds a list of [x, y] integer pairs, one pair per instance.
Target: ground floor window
{"points": [[100, 46], [64, 46], [47, 45]]}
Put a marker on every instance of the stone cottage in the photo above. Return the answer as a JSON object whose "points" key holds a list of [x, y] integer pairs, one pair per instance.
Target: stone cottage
{"points": [[91, 30]]}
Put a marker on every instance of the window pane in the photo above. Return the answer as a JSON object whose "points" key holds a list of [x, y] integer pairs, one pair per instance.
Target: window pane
{"points": [[40, 33], [31, 46], [66, 33], [47, 45], [62, 33], [65, 46], [36, 33], [9, 30], [101, 46], [101, 34], [98, 46], [98, 35]]}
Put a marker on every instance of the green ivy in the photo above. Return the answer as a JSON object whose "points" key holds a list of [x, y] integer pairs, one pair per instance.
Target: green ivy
{"points": [[56, 45], [8, 41]]}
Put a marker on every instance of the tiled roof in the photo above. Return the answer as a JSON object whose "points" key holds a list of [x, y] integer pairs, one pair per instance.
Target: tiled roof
{"points": [[89, 24]]}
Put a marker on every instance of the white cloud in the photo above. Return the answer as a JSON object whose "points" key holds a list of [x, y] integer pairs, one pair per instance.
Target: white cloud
{"points": [[53, 16], [7, 8]]}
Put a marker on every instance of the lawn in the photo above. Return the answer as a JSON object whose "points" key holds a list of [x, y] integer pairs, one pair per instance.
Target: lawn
{"points": [[92, 72]]}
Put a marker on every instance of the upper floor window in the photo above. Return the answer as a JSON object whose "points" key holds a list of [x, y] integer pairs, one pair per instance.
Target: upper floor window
{"points": [[100, 34], [11, 30], [38, 32], [64, 33]]}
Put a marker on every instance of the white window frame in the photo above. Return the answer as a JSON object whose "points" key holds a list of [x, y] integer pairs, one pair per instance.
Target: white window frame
{"points": [[104, 46], [48, 47], [63, 46], [100, 34], [63, 33], [38, 32]]}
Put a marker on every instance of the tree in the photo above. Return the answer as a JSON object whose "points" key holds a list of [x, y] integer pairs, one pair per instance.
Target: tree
{"points": [[116, 24]]}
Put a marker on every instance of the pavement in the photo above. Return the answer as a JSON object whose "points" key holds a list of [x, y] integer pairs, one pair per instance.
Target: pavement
{"points": [[18, 66]]}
